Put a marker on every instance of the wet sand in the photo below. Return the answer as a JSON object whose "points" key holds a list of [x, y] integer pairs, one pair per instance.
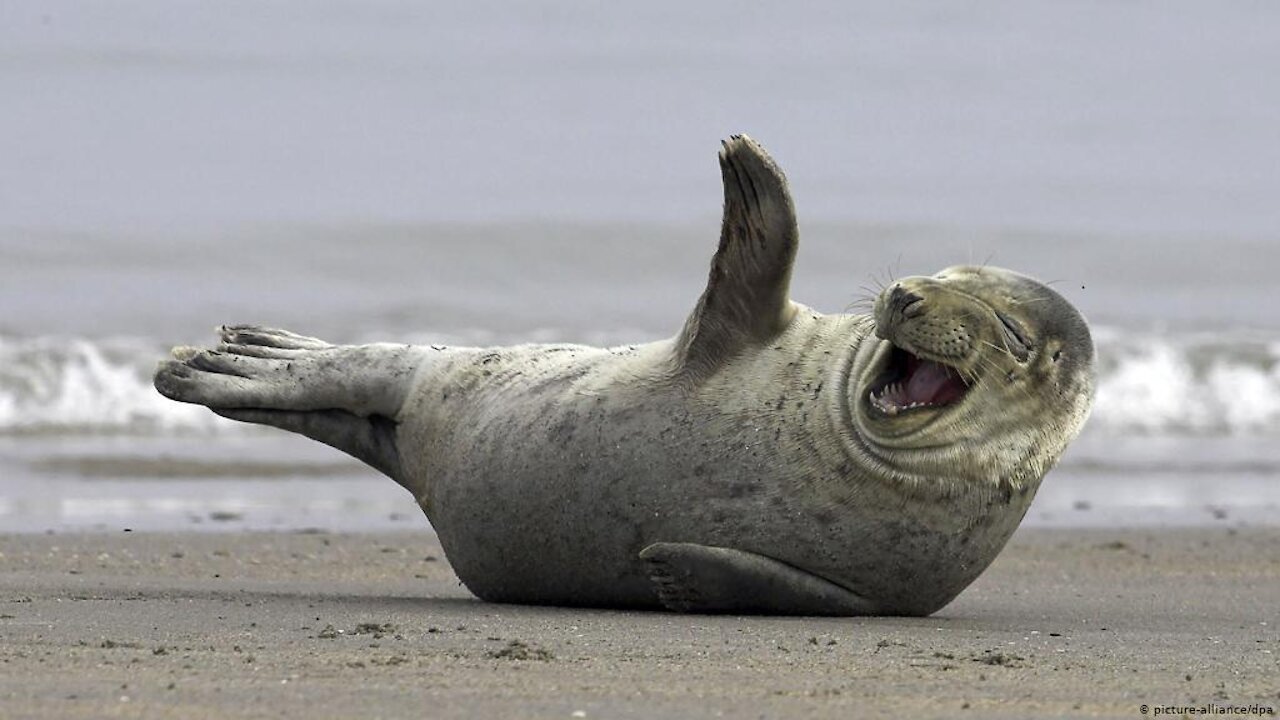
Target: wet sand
{"points": [[1064, 624]]}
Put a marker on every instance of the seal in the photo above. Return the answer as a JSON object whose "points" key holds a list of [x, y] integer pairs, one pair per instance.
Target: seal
{"points": [[767, 459]]}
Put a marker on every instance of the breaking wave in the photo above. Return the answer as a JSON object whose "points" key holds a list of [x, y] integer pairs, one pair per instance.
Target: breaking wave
{"points": [[72, 385], [1148, 383], [1188, 384]]}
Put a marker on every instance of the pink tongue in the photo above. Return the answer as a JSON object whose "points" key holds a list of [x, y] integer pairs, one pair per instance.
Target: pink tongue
{"points": [[931, 383]]}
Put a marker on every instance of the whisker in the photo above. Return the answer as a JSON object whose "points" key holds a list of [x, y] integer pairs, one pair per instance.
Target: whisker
{"points": [[1031, 301], [876, 285], [859, 304], [997, 348], [993, 367]]}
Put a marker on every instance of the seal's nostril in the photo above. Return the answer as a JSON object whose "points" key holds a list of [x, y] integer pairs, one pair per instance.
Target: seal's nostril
{"points": [[904, 302]]}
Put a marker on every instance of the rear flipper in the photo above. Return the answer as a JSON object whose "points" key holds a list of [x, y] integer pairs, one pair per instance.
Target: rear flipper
{"points": [[702, 579]]}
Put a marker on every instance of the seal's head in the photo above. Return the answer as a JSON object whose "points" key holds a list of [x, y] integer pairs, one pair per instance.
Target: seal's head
{"points": [[977, 363]]}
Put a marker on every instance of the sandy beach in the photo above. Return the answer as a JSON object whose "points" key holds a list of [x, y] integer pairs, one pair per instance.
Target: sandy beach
{"points": [[1065, 624]]}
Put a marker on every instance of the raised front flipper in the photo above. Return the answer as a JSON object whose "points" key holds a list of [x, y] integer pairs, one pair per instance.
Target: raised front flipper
{"points": [[698, 578], [746, 302]]}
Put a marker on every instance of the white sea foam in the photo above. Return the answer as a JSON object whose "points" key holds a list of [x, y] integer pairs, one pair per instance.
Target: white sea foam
{"points": [[51, 384], [1149, 383], [1157, 383]]}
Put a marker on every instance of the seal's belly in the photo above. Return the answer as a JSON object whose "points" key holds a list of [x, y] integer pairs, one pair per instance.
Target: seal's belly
{"points": [[562, 518], [557, 506]]}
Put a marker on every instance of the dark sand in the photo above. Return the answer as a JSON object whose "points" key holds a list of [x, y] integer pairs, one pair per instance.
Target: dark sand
{"points": [[1065, 624]]}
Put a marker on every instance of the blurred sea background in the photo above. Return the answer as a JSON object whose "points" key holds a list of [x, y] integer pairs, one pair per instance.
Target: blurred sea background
{"points": [[491, 173]]}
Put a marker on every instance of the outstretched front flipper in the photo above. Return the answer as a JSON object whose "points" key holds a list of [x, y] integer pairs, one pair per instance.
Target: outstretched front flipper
{"points": [[698, 578], [746, 301], [346, 396], [268, 369]]}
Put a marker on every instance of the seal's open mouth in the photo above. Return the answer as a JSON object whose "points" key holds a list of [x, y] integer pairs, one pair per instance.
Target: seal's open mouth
{"points": [[910, 382]]}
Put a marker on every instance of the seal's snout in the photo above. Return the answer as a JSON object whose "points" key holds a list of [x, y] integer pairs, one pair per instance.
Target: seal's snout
{"points": [[894, 306]]}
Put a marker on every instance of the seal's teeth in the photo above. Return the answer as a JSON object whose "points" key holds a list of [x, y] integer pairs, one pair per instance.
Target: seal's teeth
{"points": [[892, 399], [881, 404], [886, 401]]}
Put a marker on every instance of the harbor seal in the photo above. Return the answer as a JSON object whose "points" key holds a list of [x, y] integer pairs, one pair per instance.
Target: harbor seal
{"points": [[766, 459]]}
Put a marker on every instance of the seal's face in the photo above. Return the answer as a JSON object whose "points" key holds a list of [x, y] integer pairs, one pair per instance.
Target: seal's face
{"points": [[976, 354]]}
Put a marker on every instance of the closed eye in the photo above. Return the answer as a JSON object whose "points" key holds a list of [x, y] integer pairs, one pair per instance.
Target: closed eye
{"points": [[1015, 338]]}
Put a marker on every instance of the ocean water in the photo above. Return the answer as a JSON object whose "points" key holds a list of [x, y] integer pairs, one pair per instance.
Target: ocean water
{"points": [[490, 174]]}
